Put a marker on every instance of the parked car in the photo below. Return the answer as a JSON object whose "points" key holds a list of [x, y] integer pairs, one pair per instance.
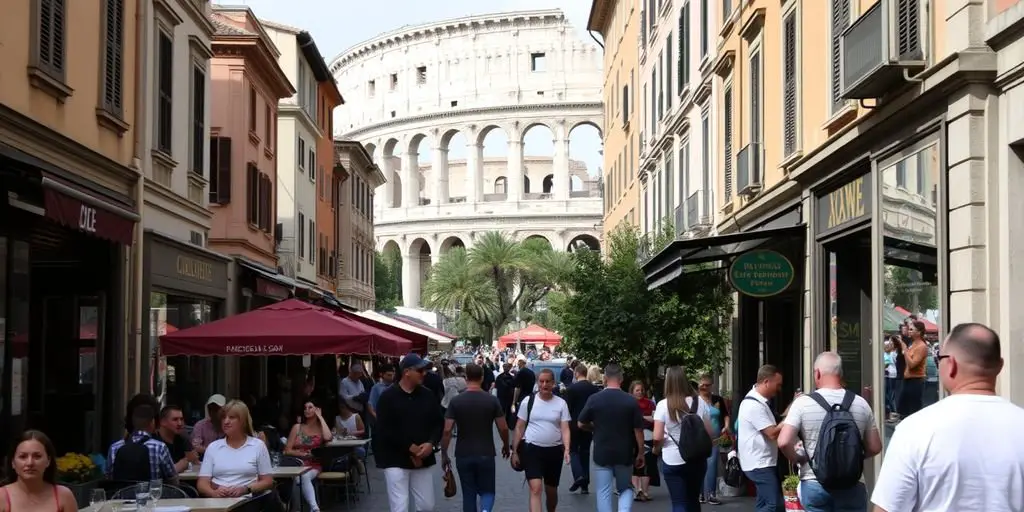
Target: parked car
{"points": [[554, 365]]}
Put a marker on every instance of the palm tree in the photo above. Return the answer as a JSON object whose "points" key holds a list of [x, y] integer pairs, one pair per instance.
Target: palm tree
{"points": [[494, 281]]}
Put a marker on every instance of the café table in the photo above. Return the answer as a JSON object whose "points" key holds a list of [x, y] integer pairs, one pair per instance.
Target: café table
{"points": [[194, 505], [278, 473], [347, 443]]}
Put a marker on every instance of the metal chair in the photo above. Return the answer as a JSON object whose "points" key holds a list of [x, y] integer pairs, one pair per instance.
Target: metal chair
{"points": [[335, 475], [166, 492]]}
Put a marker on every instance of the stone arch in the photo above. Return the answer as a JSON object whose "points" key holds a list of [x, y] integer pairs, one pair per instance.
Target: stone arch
{"points": [[420, 252], [583, 241], [531, 125], [446, 137], [414, 143], [388, 246], [500, 185], [451, 242], [371, 149], [486, 130], [548, 185], [586, 122], [391, 167], [389, 147], [538, 236]]}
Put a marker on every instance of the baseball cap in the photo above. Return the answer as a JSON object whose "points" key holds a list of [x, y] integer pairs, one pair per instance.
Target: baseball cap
{"points": [[217, 399], [413, 361]]}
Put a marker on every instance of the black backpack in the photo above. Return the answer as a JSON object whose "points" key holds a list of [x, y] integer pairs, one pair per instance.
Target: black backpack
{"points": [[131, 461], [838, 460], [694, 442]]}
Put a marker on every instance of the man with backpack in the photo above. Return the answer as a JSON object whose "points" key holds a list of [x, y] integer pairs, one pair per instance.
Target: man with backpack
{"points": [[756, 433], [838, 432], [141, 456]]}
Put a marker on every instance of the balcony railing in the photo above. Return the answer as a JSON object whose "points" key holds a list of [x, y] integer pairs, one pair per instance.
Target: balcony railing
{"points": [[748, 169], [680, 220], [697, 210]]}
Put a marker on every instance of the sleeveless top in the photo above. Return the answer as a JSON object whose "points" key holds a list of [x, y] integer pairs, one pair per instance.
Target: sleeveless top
{"points": [[308, 443], [56, 499], [349, 424]]}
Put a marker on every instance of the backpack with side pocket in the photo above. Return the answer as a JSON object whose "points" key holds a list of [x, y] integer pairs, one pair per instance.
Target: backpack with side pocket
{"points": [[522, 442], [131, 461], [838, 460], [694, 442]]}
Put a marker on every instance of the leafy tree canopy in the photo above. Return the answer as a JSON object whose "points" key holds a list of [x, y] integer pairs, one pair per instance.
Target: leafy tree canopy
{"points": [[387, 280]]}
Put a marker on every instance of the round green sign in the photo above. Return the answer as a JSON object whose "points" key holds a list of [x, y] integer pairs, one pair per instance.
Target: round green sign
{"points": [[761, 273]]}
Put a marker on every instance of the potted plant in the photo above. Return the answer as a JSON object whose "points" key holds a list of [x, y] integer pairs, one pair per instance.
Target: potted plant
{"points": [[789, 492], [79, 473]]}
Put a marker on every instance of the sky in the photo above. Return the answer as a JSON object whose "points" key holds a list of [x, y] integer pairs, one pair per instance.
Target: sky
{"points": [[337, 25]]}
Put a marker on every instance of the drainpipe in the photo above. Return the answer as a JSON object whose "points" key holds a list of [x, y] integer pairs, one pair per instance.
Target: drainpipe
{"points": [[141, 119]]}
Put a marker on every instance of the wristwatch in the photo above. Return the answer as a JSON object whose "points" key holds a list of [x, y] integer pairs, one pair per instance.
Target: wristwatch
{"points": [[248, 490]]}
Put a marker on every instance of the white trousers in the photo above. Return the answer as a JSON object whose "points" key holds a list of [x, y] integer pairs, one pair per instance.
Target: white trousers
{"points": [[402, 482], [305, 483]]}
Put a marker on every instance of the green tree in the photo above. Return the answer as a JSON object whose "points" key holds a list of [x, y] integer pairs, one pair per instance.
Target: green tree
{"points": [[907, 288], [609, 314], [387, 280], [496, 280]]}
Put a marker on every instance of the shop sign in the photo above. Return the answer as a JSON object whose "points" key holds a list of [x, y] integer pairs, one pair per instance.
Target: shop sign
{"points": [[761, 273], [848, 203], [266, 288], [75, 214], [177, 268]]}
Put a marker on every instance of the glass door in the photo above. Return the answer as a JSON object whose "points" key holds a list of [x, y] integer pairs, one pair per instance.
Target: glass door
{"points": [[848, 262]]}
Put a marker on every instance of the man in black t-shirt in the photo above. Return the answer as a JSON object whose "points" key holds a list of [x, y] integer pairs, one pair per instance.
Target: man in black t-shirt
{"points": [[171, 432], [525, 381], [576, 396], [615, 418]]}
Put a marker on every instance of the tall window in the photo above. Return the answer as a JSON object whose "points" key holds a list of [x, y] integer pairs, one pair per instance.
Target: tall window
{"points": [[312, 241], [727, 143], [683, 183], [684, 48], [50, 32], [756, 95], [312, 164], [253, 100], [789, 83], [840, 21], [165, 88], [705, 27], [220, 170], [198, 118], [301, 154], [705, 161], [252, 189], [113, 57], [300, 238], [668, 72]]}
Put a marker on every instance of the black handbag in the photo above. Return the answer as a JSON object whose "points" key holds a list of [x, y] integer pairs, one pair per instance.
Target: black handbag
{"points": [[520, 447]]}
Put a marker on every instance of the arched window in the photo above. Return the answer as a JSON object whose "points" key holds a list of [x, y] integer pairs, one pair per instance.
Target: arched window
{"points": [[500, 185]]}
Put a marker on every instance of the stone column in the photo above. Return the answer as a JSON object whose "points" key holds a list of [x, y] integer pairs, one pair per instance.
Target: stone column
{"points": [[411, 280], [410, 180], [388, 189], [560, 170], [474, 172], [439, 175], [515, 169]]}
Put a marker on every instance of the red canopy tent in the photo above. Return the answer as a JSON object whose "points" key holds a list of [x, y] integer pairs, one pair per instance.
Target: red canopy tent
{"points": [[929, 326], [533, 333], [290, 327], [418, 342]]}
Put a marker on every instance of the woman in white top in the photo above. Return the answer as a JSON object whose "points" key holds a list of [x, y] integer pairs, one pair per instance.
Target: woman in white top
{"points": [[453, 385], [237, 464], [547, 441], [684, 480]]}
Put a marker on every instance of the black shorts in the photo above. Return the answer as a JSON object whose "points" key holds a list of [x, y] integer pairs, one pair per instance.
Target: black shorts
{"points": [[544, 463]]}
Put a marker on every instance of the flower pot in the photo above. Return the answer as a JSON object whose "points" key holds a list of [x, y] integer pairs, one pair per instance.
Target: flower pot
{"points": [[792, 500], [82, 491]]}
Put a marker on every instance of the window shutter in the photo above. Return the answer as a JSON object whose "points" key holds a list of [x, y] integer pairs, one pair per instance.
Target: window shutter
{"points": [[251, 191], [668, 72], [165, 86], [51, 36], [113, 57], [683, 34], [908, 14], [198, 119], [755, 98], [625, 105], [840, 20], [300, 236], [789, 99], [643, 31], [727, 129], [220, 170]]}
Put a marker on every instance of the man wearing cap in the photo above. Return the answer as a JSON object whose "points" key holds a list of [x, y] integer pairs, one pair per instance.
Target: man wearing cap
{"points": [[207, 430], [409, 427]]}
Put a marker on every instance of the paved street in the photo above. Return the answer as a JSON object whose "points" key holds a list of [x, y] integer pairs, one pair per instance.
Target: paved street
{"points": [[513, 495]]}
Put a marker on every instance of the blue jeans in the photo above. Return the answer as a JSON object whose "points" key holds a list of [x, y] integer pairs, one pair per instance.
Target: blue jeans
{"points": [[890, 394], [684, 483], [815, 498], [769, 489], [579, 456], [710, 487], [477, 475], [614, 478]]}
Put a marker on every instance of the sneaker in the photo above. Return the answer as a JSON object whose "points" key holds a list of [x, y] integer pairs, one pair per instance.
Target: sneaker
{"points": [[702, 499], [576, 485], [713, 500], [584, 490]]}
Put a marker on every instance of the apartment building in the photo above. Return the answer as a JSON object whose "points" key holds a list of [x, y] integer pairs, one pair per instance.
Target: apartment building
{"points": [[356, 240], [618, 22], [678, 118], [330, 184], [69, 223], [875, 158]]}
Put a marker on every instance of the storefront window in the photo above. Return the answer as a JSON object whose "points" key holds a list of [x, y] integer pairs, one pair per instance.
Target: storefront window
{"points": [[185, 381], [910, 311]]}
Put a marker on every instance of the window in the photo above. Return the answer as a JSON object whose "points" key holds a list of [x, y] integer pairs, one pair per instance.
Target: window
{"points": [[670, 174], [371, 88], [252, 188], [312, 164], [840, 20], [789, 83], [500, 185], [901, 174], [625, 106], [421, 75], [684, 170], [312, 241], [727, 143], [113, 57], [394, 81], [252, 109], [684, 49], [268, 123], [726, 9], [705, 160], [165, 86], [704, 28], [266, 203], [643, 31], [756, 92], [301, 154], [538, 62], [220, 170], [300, 241], [198, 119], [668, 71], [50, 37]]}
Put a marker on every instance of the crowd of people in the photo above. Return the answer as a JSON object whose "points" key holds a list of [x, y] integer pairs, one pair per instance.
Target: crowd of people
{"points": [[911, 367]]}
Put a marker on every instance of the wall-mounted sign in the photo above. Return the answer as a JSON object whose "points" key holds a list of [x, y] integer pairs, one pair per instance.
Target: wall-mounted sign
{"points": [[848, 203], [761, 273]]}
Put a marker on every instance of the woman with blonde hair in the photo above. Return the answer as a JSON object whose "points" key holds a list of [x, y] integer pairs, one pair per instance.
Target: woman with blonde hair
{"points": [[239, 463], [683, 479], [595, 377]]}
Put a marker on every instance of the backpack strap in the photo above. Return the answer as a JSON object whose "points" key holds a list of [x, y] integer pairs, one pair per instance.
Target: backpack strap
{"points": [[848, 400], [821, 401], [694, 406], [529, 411]]}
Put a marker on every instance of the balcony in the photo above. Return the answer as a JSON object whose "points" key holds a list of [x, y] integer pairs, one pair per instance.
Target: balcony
{"points": [[697, 211], [680, 220], [749, 163], [881, 49]]}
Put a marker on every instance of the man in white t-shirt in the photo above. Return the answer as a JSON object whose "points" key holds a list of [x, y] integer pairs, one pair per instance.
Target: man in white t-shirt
{"points": [[756, 437], [803, 422], [958, 454]]}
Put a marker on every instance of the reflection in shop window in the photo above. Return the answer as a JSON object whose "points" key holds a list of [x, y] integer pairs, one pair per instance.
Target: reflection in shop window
{"points": [[189, 379]]}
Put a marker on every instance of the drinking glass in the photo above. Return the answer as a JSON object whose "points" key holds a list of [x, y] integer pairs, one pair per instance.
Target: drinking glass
{"points": [[142, 495], [156, 490], [97, 498], [275, 459]]}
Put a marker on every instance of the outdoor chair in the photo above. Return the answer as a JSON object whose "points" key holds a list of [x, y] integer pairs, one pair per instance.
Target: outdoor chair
{"points": [[266, 502], [335, 475]]}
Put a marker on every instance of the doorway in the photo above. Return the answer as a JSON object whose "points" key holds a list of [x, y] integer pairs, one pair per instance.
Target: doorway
{"points": [[848, 296]]}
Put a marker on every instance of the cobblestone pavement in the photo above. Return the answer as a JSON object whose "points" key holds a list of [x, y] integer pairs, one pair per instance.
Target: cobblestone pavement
{"points": [[513, 495]]}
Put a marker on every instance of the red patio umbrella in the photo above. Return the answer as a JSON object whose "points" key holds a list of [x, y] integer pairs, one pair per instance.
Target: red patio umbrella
{"points": [[418, 342], [929, 326], [533, 333], [289, 327]]}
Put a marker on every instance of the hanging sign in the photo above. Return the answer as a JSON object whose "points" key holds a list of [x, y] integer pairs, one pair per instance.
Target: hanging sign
{"points": [[761, 273]]}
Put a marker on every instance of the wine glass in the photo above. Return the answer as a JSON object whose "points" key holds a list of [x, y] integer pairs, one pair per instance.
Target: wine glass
{"points": [[156, 490], [142, 495], [97, 498]]}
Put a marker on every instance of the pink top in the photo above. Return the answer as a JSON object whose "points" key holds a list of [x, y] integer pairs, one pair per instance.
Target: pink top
{"points": [[307, 443], [56, 499]]}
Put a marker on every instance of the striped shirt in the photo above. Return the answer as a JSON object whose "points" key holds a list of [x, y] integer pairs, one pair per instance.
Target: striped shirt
{"points": [[161, 467], [806, 415]]}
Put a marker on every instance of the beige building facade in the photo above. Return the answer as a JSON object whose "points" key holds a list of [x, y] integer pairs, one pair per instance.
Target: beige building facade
{"points": [[618, 22], [355, 235]]}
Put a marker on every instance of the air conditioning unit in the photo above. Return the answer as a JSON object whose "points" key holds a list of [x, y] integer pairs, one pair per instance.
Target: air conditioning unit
{"points": [[881, 49], [748, 169]]}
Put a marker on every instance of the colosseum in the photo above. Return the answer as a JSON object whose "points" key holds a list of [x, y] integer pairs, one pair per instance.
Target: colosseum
{"points": [[449, 109]]}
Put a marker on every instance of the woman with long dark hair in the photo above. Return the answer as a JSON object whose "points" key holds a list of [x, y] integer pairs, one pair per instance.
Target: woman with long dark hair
{"points": [[683, 479], [32, 478], [313, 432]]}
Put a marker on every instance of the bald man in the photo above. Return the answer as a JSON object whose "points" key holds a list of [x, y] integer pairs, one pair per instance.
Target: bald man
{"points": [[963, 452]]}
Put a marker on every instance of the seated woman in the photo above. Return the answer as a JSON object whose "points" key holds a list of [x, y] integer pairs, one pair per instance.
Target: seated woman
{"points": [[348, 424], [305, 436], [239, 463], [33, 477]]}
